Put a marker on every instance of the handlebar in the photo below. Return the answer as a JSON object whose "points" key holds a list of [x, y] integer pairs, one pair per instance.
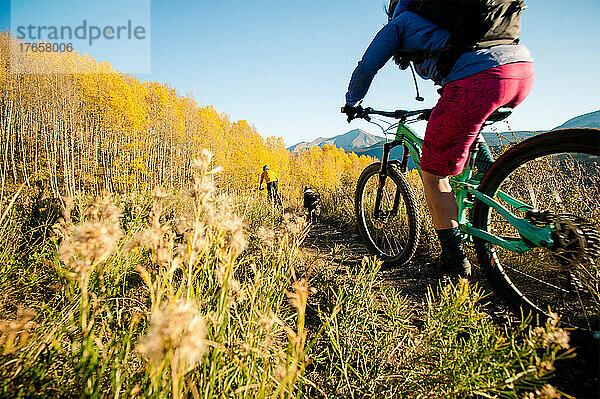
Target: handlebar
{"points": [[363, 113]]}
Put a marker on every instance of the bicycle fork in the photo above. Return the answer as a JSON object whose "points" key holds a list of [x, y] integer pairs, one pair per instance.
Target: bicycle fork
{"points": [[383, 173]]}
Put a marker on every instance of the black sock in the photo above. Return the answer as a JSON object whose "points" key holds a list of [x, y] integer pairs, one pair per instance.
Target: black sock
{"points": [[451, 242]]}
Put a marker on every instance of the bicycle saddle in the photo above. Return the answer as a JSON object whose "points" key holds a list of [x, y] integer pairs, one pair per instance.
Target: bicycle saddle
{"points": [[498, 115]]}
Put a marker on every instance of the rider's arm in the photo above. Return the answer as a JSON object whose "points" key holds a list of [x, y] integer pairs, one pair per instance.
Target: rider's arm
{"points": [[381, 49], [262, 176]]}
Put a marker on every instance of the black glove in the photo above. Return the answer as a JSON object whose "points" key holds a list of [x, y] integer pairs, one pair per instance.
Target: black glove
{"points": [[352, 112]]}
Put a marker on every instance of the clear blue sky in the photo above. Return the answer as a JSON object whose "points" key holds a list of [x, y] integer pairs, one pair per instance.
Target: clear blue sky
{"points": [[284, 65]]}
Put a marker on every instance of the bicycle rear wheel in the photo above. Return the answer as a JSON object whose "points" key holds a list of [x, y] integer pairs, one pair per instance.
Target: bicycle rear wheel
{"points": [[392, 237], [557, 173]]}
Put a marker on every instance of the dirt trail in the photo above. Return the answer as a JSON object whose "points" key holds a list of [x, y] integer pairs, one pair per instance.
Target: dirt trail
{"points": [[342, 246]]}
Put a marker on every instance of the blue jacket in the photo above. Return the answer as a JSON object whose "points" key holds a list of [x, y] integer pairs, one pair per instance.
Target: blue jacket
{"points": [[410, 31]]}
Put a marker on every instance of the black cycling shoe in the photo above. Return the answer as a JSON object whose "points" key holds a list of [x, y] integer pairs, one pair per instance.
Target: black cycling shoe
{"points": [[454, 267]]}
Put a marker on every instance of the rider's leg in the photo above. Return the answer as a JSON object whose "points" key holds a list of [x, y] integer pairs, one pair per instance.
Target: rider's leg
{"points": [[270, 192], [444, 213], [441, 201], [454, 124], [276, 196]]}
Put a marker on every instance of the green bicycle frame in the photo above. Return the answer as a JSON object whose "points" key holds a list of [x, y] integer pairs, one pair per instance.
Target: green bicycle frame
{"points": [[465, 190]]}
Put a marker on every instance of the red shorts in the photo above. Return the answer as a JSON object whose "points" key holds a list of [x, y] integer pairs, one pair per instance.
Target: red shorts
{"points": [[463, 107]]}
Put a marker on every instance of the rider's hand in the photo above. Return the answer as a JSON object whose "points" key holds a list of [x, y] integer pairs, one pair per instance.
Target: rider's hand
{"points": [[351, 111]]}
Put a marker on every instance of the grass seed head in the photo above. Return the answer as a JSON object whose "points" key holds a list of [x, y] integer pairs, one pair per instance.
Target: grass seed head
{"points": [[158, 236], [92, 241], [267, 321], [104, 210], [176, 330], [547, 392], [299, 295], [202, 163], [266, 236], [159, 193], [14, 333], [203, 188], [550, 334], [160, 240], [88, 244], [238, 241]]}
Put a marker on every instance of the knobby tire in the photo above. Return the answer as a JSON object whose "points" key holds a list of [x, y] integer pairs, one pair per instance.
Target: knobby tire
{"points": [[395, 240], [540, 279]]}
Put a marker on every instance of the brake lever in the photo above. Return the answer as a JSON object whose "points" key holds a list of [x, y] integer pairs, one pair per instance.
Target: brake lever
{"points": [[365, 114], [425, 116]]}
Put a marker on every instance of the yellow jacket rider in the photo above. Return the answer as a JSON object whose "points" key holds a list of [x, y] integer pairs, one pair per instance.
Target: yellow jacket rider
{"points": [[271, 179]]}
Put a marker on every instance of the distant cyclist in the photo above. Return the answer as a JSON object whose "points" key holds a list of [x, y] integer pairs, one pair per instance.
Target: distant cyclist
{"points": [[475, 82], [271, 179], [312, 203]]}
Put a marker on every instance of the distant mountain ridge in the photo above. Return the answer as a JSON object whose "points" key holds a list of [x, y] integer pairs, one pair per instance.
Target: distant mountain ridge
{"points": [[364, 143], [349, 141], [591, 119]]}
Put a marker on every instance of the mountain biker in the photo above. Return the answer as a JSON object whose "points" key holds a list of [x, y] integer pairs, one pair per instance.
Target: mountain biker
{"points": [[271, 180], [480, 82], [312, 203]]}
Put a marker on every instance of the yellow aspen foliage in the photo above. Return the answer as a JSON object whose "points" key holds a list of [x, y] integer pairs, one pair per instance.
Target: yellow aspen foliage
{"points": [[92, 128]]}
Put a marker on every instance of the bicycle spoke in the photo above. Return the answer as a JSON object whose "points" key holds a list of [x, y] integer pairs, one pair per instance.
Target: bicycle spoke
{"points": [[536, 279], [564, 188], [583, 308], [388, 232]]}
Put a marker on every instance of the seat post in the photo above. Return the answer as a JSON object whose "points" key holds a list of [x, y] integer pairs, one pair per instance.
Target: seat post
{"points": [[483, 156]]}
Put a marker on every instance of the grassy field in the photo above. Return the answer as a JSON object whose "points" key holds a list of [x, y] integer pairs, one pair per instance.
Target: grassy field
{"points": [[201, 294]]}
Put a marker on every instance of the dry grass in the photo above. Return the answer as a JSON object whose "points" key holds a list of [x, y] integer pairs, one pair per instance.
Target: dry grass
{"points": [[197, 294]]}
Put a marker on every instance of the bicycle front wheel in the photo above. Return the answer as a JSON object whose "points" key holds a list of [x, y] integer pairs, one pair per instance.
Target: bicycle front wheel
{"points": [[393, 234], [557, 174]]}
